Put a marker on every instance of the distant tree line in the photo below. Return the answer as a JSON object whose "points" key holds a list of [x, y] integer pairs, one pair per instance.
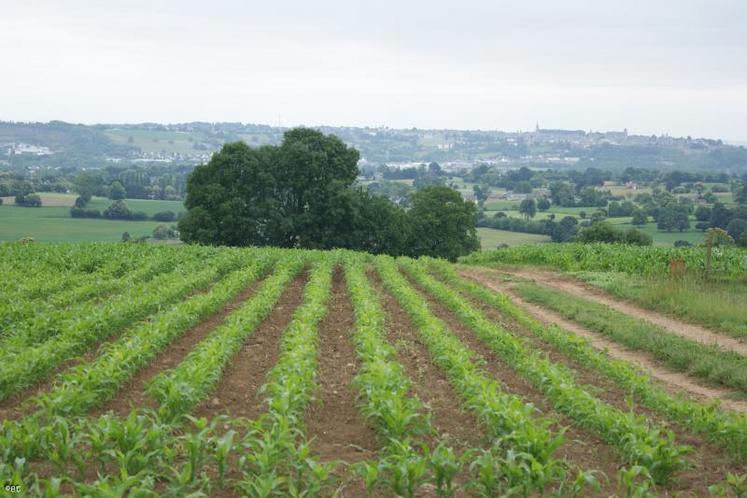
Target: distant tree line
{"points": [[130, 181]]}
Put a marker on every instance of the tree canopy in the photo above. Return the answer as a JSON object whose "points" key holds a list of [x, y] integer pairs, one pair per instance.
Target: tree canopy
{"points": [[301, 193]]}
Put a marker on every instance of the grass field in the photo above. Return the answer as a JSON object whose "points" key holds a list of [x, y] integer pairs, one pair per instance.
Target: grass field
{"points": [[490, 238], [207, 371], [159, 141], [719, 304], [661, 237], [52, 221]]}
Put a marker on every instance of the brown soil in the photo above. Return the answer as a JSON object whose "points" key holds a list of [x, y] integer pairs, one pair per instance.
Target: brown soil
{"points": [[674, 382], [237, 395], [680, 328], [581, 448], [20, 405], [133, 395], [458, 427], [333, 422], [708, 463]]}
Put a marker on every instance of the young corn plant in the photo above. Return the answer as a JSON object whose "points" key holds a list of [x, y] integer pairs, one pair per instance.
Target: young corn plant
{"points": [[30, 363], [83, 387], [385, 395]]}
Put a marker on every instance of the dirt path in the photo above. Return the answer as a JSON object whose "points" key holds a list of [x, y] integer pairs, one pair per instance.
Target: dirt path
{"points": [[708, 463], [333, 421], [579, 289], [237, 394], [673, 381]]}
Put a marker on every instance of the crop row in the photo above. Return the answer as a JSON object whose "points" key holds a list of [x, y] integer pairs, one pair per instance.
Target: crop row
{"points": [[38, 271], [277, 456], [384, 389], [45, 325], [13, 312], [85, 386], [725, 428], [182, 388], [523, 458], [24, 365], [653, 448]]}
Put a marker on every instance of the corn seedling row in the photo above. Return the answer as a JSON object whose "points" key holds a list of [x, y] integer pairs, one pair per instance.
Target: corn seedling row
{"points": [[277, 457], [29, 364], [526, 445], [86, 386], [725, 428], [640, 444], [182, 388]]}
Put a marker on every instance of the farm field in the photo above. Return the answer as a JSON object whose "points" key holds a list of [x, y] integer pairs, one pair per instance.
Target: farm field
{"points": [[155, 141], [660, 237], [142, 370], [490, 238], [52, 221]]}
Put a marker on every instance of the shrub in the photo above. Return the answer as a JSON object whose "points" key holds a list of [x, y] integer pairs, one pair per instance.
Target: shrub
{"points": [[604, 232], [736, 228], [77, 212], [640, 217], [636, 237], [119, 210], [682, 243], [164, 216], [28, 200]]}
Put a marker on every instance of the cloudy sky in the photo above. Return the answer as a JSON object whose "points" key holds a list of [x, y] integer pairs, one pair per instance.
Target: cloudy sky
{"points": [[655, 66]]}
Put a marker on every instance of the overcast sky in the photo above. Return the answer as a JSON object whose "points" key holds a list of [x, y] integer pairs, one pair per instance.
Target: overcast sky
{"points": [[655, 66]]}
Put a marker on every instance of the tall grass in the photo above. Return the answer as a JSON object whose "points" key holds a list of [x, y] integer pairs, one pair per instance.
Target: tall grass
{"points": [[719, 304]]}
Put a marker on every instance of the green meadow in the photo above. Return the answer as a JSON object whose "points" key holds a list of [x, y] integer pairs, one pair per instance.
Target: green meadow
{"points": [[52, 221]]}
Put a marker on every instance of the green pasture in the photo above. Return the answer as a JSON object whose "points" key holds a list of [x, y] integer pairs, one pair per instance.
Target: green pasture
{"points": [[490, 238], [52, 221]]}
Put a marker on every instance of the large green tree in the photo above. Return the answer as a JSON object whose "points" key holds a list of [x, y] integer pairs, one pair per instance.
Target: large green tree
{"points": [[528, 208], [287, 195], [442, 224], [301, 194]]}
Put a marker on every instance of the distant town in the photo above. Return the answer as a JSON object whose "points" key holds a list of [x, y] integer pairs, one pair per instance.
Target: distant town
{"points": [[58, 144]]}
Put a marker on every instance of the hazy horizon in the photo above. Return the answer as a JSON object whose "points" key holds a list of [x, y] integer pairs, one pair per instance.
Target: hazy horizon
{"points": [[660, 67]]}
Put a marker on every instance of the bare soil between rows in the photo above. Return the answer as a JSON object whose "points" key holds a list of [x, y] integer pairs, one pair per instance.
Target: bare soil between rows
{"points": [[334, 423], [238, 392]]}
